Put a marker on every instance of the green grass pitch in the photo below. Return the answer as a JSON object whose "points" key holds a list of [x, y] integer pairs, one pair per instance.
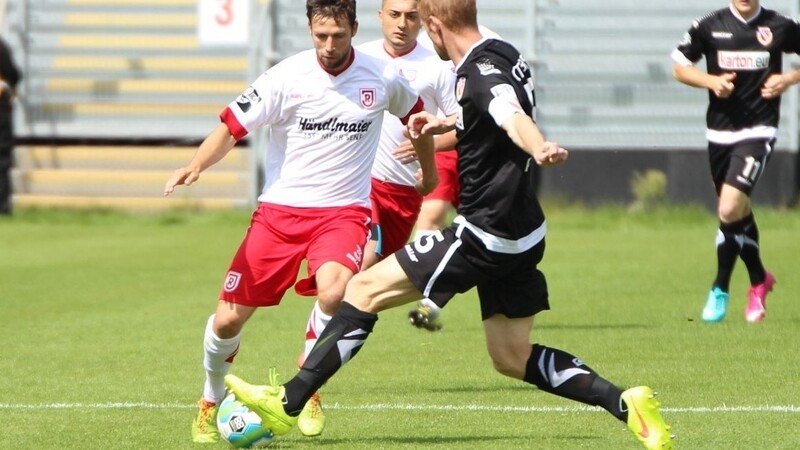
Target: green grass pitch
{"points": [[102, 319]]}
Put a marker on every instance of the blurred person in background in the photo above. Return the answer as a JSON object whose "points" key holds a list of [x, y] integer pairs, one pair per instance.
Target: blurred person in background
{"points": [[325, 108], [743, 45], [395, 202], [9, 78]]}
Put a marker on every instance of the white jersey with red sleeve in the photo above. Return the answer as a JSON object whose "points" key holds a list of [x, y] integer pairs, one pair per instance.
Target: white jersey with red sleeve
{"points": [[434, 81], [324, 127]]}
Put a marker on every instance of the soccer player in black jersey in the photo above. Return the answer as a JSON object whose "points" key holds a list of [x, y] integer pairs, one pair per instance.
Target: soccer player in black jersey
{"points": [[743, 45], [494, 244]]}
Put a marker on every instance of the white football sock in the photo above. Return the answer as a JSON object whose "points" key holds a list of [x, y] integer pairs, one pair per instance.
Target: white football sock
{"points": [[316, 323], [435, 310], [218, 357]]}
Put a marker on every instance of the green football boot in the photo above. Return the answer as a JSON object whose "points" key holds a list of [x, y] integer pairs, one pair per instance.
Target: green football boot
{"points": [[204, 427], [311, 420], [265, 401], [644, 418]]}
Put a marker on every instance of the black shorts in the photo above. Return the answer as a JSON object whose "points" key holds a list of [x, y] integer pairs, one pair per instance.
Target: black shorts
{"points": [[740, 164], [454, 261]]}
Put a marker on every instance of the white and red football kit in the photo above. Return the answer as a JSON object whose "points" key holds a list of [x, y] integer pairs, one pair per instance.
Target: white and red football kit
{"points": [[324, 134], [395, 201], [449, 187]]}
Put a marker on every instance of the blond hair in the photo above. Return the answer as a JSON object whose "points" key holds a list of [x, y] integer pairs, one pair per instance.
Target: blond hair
{"points": [[454, 14]]}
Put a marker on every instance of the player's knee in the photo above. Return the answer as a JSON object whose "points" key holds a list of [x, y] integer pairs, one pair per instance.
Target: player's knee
{"points": [[228, 325], [359, 289], [508, 368], [731, 211], [508, 363], [330, 298]]}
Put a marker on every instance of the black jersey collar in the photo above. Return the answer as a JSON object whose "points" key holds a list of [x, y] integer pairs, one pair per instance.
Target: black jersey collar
{"points": [[464, 58]]}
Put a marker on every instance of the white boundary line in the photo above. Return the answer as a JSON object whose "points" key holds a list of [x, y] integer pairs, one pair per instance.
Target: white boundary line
{"points": [[788, 409]]}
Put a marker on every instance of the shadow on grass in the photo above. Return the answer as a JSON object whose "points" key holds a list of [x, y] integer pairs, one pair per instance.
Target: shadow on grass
{"points": [[483, 388], [470, 441], [590, 326]]}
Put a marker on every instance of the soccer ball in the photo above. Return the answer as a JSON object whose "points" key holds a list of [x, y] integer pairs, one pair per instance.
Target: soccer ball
{"points": [[240, 426]]}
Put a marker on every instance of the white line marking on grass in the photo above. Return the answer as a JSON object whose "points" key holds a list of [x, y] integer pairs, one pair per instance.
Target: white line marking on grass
{"points": [[792, 409]]}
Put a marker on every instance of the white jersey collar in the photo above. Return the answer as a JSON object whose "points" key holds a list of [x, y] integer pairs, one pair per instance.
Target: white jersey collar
{"points": [[460, 63], [742, 19]]}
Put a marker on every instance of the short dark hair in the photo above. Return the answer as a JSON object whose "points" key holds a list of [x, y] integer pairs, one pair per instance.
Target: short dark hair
{"points": [[336, 9]]}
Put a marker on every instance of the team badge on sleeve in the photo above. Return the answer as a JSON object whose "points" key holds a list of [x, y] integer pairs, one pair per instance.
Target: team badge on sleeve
{"points": [[503, 90], [486, 67], [248, 98], [367, 97]]}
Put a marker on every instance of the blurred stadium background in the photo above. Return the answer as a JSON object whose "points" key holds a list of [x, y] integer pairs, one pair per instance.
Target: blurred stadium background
{"points": [[118, 93]]}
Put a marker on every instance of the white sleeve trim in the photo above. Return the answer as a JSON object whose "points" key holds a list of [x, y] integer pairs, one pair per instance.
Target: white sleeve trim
{"points": [[503, 107], [680, 58]]}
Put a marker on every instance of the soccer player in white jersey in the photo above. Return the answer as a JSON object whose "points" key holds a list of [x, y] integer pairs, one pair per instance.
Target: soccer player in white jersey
{"points": [[395, 200], [325, 108]]}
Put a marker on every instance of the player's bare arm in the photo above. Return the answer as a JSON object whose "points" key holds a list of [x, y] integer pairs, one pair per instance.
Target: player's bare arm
{"points": [[211, 150], [778, 83], [405, 153], [427, 176], [721, 85], [526, 135]]}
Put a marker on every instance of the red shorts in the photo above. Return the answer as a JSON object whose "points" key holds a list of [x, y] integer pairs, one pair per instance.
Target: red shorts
{"points": [[448, 188], [280, 237], [395, 208]]}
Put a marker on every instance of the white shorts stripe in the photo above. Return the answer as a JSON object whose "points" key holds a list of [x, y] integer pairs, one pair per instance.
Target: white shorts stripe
{"points": [[443, 263]]}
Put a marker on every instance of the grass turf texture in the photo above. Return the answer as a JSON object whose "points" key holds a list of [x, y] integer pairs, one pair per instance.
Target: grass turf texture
{"points": [[103, 314]]}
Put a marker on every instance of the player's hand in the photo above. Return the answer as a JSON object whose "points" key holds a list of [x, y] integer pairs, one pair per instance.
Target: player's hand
{"points": [[426, 184], [423, 123], [774, 86], [405, 153], [722, 85], [550, 154], [184, 175]]}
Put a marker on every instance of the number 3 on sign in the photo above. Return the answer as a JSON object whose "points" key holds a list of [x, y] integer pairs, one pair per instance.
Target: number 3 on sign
{"points": [[223, 22], [225, 15]]}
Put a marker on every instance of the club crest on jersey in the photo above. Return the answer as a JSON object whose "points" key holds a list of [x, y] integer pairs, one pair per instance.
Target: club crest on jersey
{"points": [[367, 97], [409, 75], [232, 281], [764, 36], [460, 84]]}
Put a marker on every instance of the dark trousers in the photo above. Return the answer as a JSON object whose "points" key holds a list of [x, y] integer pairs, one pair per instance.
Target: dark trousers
{"points": [[6, 159]]}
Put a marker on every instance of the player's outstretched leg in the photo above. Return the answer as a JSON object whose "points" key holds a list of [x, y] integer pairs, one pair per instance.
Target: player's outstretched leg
{"points": [[561, 373], [644, 418], [279, 405], [204, 427], [266, 401], [716, 305], [757, 299], [426, 315]]}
